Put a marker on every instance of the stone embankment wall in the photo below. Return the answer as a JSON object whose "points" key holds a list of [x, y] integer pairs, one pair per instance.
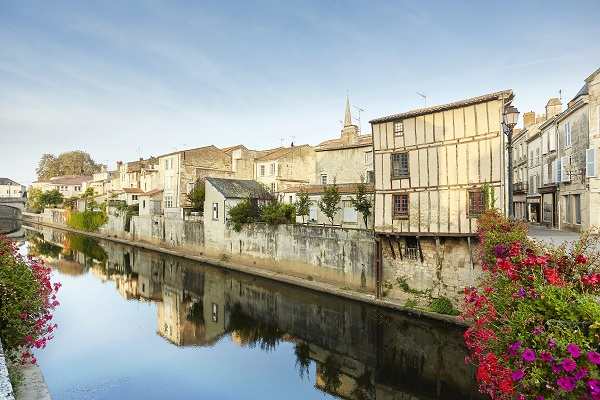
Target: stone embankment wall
{"points": [[333, 254], [439, 266]]}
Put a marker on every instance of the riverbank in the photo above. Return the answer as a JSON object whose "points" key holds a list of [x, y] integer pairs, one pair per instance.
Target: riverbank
{"points": [[321, 287]]}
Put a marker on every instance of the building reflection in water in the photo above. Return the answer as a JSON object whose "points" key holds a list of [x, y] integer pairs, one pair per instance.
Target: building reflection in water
{"points": [[360, 351]]}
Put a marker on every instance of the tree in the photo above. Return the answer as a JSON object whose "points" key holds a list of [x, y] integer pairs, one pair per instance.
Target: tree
{"points": [[329, 203], [34, 201], [196, 196], [362, 202], [51, 198], [69, 163], [303, 205]]}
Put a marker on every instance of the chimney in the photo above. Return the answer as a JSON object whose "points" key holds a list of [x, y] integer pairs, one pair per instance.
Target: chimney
{"points": [[553, 107], [528, 119]]}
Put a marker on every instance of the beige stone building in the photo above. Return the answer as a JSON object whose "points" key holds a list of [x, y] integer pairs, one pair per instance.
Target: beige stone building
{"points": [[67, 185], [431, 165], [548, 187], [520, 174], [10, 188], [576, 167], [345, 161], [534, 170], [284, 167]]}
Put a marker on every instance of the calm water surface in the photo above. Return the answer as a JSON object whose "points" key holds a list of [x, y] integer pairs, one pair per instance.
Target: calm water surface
{"points": [[135, 324]]}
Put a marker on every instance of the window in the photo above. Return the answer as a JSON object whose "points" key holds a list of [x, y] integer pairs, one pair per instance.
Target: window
{"points": [[368, 157], [370, 176], [168, 201], [215, 312], [557, 168], [291, 199], [262, 170], [568, 213], [134, 197], [215, 210], [143, 203], [350, 214], [273, 187], [564, 174], [400, 165], [398, 128], [77, 188], [476, 203], [312, 213], [272, 169], [323, 179], [590, 163], [567, 134], [577, 204], [531, 158], [400, 206]]}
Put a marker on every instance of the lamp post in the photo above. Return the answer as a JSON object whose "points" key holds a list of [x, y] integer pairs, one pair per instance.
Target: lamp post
{"points": [[509, 120]]}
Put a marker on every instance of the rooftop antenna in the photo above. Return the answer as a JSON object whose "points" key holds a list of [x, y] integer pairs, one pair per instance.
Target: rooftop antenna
{"points": [[358, 119], [560, 94], [424, 96]]}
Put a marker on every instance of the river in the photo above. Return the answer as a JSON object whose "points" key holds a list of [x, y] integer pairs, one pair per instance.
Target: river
{"points": [[136, 324]]}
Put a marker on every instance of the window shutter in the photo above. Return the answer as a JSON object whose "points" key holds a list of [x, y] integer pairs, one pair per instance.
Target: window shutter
{"points": [[590, 163], [564, 162], [554, 177]]}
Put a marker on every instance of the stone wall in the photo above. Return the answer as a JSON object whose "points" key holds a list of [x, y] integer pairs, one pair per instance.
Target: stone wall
{"points": [[447, 267], [322, 253], [172, 232]]}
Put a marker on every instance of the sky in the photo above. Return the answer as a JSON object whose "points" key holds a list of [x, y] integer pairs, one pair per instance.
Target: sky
{"points": [[123, 80]]}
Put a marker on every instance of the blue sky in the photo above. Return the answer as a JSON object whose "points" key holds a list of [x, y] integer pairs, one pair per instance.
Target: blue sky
{"points": [[128, 79]]}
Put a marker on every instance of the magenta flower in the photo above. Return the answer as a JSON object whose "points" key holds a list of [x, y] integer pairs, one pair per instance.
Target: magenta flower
{"points": [[556, 369], [538, 330], [540, 397], [514, 348], [594, 386], [521, 293], [546, 357], [593, 357], [552, 343], [521, 396], [574, 350], [566, 383], [581, 373], [517, 375], [528, 355], [568, 365]]}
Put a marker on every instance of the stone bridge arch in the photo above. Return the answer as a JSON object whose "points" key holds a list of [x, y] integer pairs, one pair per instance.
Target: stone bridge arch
{"points": [[12, 207]]}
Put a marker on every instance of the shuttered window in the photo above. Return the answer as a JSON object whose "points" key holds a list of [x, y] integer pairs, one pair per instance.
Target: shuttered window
{"points": [[567, 134], [350, 214], [590, 163], [476, 203], [564, 174], [400, 206]]}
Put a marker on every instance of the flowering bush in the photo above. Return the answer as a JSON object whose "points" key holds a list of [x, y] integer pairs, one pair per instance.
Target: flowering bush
{"points": [[536, 316], [27, 299]]}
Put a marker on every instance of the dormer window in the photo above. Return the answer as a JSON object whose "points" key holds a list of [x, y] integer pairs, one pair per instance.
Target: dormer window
{"points": [[398, 128]]}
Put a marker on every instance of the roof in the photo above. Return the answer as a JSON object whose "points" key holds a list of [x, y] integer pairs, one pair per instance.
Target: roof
{"points": [[239, 188], [136, 166], [582, 92], [232, 148], [555, 101], [194, 149], [343, 188], [592, 76], [339, 143], [152, 192], [506, 94], [7, 182], [70, 179], [280, 152], [133, 190]]}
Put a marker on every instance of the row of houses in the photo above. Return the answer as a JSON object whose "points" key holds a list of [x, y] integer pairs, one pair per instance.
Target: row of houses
{"points": [[430, 171], [556, 168]]}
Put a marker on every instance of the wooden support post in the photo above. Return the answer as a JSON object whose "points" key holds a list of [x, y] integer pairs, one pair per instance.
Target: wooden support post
{"points": [[420, 249], [470, 252], [391, 247]]}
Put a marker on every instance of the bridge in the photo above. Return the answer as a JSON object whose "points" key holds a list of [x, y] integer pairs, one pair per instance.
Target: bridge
{"points": [[12, 207]]}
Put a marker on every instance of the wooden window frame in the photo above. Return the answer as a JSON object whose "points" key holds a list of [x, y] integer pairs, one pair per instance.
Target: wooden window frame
{"points": [[475, 213], [396, 214], [400, 131], [401, 176]]}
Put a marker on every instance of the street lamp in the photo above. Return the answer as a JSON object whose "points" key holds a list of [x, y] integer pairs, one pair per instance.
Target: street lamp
{"points": [[509, 120]]}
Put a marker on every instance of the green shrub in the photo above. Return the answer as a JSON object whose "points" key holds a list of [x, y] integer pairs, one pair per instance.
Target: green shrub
{"points": [[275, 213], [442, 305], [27, 299], [88, 221], [245, 212]]}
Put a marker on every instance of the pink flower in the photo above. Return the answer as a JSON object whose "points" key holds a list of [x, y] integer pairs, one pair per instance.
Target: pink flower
{"points": [[546, 357], [552, 343], [528, 355], [594, 386], [566, 383], [514, 348], [581, 373], [517, 375], [574, 350], [568, 365], [593, 357]]}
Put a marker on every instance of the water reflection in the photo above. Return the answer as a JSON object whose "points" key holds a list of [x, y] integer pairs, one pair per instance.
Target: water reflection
{"points": [[354, 351]]}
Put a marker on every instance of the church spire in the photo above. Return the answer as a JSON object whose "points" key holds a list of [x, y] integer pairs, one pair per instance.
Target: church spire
{"points": [[347, 116]]}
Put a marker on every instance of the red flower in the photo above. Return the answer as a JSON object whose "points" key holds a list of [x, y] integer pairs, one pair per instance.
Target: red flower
{"points": [[581, 259]]}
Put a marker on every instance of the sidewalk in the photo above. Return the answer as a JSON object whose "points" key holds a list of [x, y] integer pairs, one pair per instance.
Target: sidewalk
{"points": [[552, 236]]}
